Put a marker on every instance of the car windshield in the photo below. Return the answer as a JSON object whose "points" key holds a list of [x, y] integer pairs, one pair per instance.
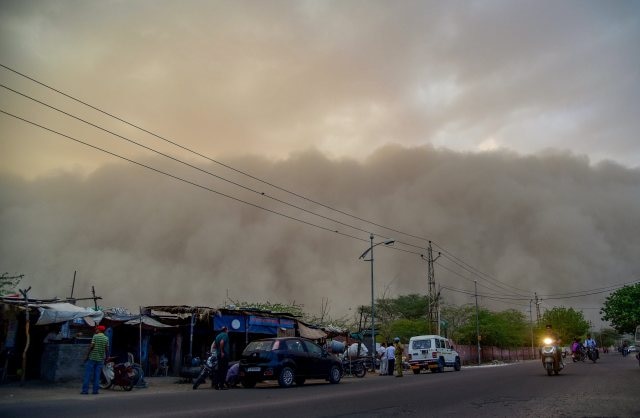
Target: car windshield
{"points": [[260, 346], [421, 344]]}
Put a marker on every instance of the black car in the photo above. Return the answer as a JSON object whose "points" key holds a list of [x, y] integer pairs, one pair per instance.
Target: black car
{"points": [[288, 360]]}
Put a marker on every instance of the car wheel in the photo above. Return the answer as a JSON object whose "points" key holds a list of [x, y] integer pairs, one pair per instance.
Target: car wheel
{"points": [[334, 374], [440, 368], [457, 366], [286, 378]]}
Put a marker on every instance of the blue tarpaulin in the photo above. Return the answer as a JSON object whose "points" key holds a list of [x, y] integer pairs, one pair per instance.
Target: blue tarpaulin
{"points": [[253, 323]]}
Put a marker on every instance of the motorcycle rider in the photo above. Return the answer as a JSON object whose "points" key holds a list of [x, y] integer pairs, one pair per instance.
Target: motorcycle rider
{"points": [[590, 343], [576, 349], [550, 333]]}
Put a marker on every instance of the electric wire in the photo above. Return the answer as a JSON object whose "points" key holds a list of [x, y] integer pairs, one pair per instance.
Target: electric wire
{"points": [[180, 161], [180, 178], [447, 254]]}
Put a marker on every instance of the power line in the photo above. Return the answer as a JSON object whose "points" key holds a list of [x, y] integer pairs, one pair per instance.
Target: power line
{"points": [[180, 178], [451, 257], [180, 161]]}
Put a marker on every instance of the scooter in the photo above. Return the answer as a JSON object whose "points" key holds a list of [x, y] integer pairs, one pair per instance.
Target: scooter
{"points": [[121, 374], [209, 369], [550, 357]]}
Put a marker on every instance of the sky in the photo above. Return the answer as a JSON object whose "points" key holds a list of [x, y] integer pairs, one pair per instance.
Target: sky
{"points": [[504, 132]]}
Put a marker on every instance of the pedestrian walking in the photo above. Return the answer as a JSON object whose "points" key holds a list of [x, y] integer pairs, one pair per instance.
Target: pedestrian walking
{"points": [[95, 360]]}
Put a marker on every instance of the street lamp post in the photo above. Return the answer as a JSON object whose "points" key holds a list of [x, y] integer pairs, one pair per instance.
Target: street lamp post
{"points": [[373, 316]]}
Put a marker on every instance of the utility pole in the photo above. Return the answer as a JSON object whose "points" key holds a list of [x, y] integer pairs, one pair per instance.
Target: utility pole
{"points": [[433, 298], [538, 317], [475, 285], [95, 299], [531, 323], [73, 285], [26, 328]]}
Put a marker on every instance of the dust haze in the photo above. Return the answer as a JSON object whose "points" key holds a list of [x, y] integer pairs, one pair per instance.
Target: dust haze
{"points": [[548, 223]]}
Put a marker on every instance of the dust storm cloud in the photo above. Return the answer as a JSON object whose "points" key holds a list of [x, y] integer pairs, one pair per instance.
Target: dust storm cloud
{"points": [[548, 223]]}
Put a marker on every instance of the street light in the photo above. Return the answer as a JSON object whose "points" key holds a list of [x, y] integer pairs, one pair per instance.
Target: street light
{"points": [[373, 316]]}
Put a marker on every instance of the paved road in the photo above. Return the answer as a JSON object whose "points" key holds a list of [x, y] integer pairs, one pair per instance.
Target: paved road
{"points": [[609, 388]]}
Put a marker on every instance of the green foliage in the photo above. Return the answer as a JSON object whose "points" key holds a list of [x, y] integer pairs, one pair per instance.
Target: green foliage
{"points": [[455, 318], [606, 338], [567, 323], [412, 306], [501, 329], [403, 328], [8, 283], [622, 309]]}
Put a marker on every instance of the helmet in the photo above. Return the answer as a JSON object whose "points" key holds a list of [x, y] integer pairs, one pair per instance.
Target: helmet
{"points": [[397, 339]]}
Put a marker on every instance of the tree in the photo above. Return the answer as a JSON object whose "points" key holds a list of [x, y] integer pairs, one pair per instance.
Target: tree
{"points": [[404, 328], [456, 317], [622, 309], [607, 337], [9, 283], [501, 329], [566, 322]]}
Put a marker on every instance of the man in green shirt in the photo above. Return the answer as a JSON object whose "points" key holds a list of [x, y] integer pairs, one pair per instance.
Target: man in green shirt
{"points": [[95, 360], [223, 352]]}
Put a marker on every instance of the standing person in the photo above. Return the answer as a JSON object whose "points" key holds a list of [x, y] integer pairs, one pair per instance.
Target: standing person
{"points": [[95, 360], [391, 359], [223, 352], [399, 350], [382, 353]]}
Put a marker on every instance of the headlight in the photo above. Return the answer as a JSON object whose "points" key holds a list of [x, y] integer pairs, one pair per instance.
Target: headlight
{"points": [[548, 341]]}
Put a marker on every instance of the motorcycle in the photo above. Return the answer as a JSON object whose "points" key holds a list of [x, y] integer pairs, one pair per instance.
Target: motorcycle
{"points": [[355, 367], [592, 354], [121, 374], [578, 355], [209, 369], [550, 357]]}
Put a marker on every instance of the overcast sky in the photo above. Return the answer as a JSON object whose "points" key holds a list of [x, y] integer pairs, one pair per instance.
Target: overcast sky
{"points": [[505, 131]]}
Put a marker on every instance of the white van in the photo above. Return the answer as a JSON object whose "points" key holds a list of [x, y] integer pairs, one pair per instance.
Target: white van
{"points": [[432, 352]]}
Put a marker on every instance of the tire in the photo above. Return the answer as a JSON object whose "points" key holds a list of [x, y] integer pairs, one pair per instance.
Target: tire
{"points": [[416, 371], [457, 366], [440, 368], [549, 368], [334, 375], [286, 377], [127, 387], [131, 377], [199, 381], [359, 370], [248, 383], [104, 382], [300, 381]]}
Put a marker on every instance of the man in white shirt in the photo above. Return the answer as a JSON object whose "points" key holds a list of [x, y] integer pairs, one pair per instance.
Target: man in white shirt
{"points": [[382, 355], [391, 359]]}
